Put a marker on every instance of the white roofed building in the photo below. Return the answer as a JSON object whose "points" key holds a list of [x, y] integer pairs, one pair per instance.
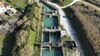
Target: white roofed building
{"points": [[4, 7]]}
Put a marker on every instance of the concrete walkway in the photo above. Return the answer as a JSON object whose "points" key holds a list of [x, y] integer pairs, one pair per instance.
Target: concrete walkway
{"points": [[74, 1]]}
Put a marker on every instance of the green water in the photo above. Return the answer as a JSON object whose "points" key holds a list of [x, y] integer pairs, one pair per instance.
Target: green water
{"points": [[53, 52], [48, 22], [52, 37], [47, 9], [46, 37]]}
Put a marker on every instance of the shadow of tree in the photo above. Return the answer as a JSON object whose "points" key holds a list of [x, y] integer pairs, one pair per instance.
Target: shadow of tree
{"points": [[8, 44]]}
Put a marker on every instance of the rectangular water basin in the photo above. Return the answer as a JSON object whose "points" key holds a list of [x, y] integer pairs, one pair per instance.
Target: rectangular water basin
{"points": [[52, 52]]}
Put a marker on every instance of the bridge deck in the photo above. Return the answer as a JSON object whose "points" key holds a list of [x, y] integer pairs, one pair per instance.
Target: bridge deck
{"points": [[50, 30], [50, 14], [51, 44]]}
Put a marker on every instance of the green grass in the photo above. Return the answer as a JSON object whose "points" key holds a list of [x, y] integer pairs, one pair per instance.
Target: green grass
{"points": [[33, 34], [17, 3], [66, 38], [1, 42], [32, 39], [70, 51], [63, 3], [31, 14]]}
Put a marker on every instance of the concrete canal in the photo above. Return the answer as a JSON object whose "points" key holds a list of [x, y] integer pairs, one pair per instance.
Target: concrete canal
{"points": [[50, 22]]}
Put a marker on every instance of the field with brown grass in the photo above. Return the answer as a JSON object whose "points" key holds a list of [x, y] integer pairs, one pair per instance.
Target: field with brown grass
{"points": [[86, 22], [96, 2]]}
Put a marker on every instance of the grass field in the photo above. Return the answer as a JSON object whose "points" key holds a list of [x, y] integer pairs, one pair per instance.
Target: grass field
{"points": [[66, 38], [86, 22], [32, 38], [90, 20], [63, 3], [35, 31], [95, 2], [1, 42], [17, 3]]}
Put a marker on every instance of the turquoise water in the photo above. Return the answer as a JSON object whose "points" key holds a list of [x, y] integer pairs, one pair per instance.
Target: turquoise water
{"points": [[51, 37], [47, 9], [50, 22], [55, 37], [53, 52], [46, 36]]}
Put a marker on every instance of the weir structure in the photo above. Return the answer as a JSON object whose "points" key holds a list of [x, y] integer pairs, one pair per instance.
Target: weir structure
{"points": [[51, 42]]}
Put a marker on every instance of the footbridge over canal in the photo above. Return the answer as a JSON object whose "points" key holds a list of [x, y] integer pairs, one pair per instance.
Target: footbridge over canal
{"points": [[51, 30]]}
